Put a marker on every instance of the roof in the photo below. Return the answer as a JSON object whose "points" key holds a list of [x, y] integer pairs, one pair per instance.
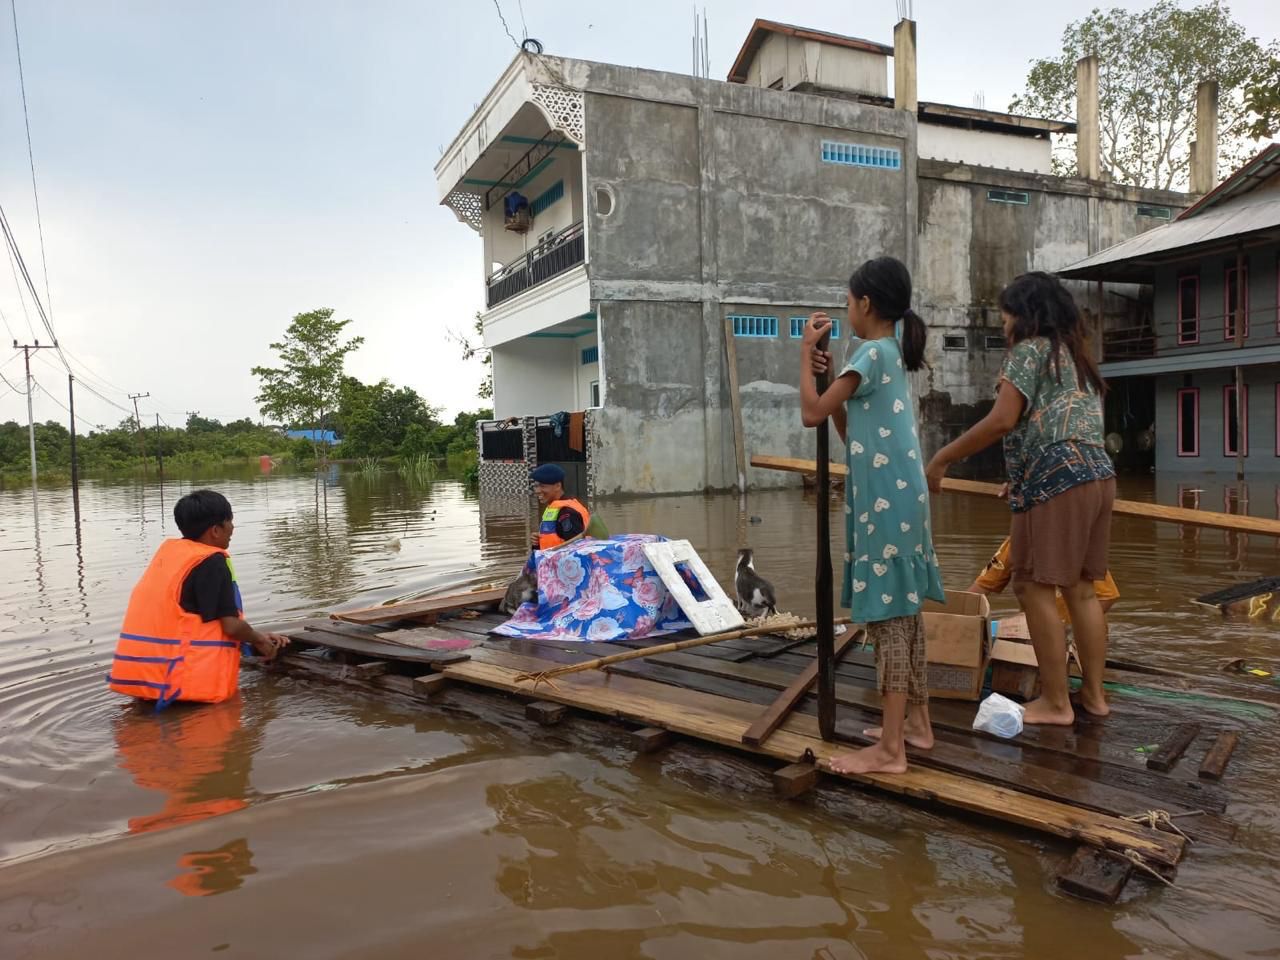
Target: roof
{"points": [[1233, 212], [762, 28], [950, 115]]}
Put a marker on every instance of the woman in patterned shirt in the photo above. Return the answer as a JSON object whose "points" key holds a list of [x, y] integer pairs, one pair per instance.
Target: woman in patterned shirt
{"points": [[1062, 484]]}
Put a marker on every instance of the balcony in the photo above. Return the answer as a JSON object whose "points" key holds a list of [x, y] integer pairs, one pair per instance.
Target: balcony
{"points": [[550, 258]]}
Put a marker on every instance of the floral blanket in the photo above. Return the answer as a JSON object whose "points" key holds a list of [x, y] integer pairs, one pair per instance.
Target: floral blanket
{"points": [[597, 590]]}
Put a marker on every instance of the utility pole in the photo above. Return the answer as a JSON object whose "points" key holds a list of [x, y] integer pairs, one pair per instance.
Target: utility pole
{"points": [[26, 349], [142, 440], [75, 463], [159, 448]]}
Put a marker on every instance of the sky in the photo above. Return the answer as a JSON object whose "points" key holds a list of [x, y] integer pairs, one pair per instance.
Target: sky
{"points": [[206, 171]]}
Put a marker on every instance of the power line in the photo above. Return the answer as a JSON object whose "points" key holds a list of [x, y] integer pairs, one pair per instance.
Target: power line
{"points": [[8, 383], [21, 299], [523, 26], [504, 23], [26, 274], [31, 157]]}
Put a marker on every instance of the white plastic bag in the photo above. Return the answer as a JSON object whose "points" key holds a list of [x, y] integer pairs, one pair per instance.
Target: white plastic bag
{"points": [[999, 715]]}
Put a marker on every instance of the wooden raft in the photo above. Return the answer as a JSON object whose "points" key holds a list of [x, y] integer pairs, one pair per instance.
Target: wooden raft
{"points": [[1073, 783]]}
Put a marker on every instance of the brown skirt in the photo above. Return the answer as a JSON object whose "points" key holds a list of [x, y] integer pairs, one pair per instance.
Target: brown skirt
{"points": [[1065, 539]]}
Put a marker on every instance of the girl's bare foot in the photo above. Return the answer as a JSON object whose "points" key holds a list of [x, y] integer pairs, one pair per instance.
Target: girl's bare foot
{"points": [[874, 759], [1094, 705], [922, 738], [1041, 711]]}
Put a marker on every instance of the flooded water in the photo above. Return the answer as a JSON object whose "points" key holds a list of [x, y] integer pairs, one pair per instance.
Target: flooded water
{"points": [[310, 821]]}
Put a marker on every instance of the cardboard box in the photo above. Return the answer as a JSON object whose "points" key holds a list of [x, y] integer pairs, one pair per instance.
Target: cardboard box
{"points": [[1014, 671], [958, 638]]}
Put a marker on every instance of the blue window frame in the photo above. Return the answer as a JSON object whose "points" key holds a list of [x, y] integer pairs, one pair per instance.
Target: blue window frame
{"points": [[547, 197], [590, 355], [745, 326], [861, 155], [1019, 197], [797, 327]]}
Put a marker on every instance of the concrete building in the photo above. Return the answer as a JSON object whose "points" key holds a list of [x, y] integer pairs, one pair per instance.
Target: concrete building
{"points": [[1205, 360], [674, 231]]}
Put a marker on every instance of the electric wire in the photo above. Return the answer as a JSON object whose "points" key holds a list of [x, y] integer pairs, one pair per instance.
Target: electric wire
{"points": [[31, 157], [501, 17]]}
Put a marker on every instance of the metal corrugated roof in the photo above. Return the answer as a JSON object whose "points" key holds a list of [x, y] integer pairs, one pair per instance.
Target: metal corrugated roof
{"points": [[1233, 211]]}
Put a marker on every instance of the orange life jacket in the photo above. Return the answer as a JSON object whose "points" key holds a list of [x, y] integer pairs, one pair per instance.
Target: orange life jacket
{"points": [[548, 537], [164, 652]]}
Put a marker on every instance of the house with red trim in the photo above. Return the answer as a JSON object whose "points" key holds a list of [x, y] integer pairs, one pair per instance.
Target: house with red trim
{"points": [[1202, 361]]}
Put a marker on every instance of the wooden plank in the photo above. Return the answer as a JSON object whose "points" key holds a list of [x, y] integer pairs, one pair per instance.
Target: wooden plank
{"points": [[1215, 761], [546, 714], [1095, 875], [428, 607], [430, 685], [374, 668], [431, 638], [1123, 508], [375, 648], [769, 721], [716, 720], [650, 739], [794, 779], [1174, 746]]}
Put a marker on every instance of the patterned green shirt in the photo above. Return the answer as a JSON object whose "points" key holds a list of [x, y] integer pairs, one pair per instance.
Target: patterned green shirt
{"points": [[1058, 442]]}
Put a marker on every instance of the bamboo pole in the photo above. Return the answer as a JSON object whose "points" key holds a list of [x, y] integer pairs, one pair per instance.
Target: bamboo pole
{"points": [[1123, 508], [598, 662]]}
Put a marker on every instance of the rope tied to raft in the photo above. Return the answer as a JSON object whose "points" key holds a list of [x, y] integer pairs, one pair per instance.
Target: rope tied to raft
{"points": [[1134, 857], [1155, 819]]}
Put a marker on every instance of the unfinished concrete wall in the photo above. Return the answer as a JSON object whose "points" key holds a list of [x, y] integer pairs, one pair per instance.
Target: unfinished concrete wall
{"points": [[719, 201], [979, 228]]}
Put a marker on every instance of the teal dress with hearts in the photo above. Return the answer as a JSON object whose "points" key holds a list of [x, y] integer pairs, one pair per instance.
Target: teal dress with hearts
{"points": [[889, 567]]}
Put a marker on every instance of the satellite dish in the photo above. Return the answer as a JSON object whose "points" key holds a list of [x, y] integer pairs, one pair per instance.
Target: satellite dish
{"points": [[1146, 439], [1114, 443]]}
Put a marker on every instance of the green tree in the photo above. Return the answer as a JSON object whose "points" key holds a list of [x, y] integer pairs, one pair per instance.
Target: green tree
{"points": [[470, 348], [373, 418], [1262, 98], [306, 386], [1149, 65]]}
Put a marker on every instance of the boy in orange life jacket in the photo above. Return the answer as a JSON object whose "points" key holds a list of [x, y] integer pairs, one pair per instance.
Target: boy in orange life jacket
{"points": [[184, 624]]}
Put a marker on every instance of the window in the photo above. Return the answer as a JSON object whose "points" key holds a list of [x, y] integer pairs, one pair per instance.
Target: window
{"points": [[590, 355], [595, 393], [754, 326], [995, 342], [1008, 196], [547, 198], [1235, 430], [1155, 213], [955, 341], [1229, 303], [797, 327], [858, 155], [1188, 309], [1189, 422]]}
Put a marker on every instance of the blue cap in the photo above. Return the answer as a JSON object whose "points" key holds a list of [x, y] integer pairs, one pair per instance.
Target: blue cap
{"points": [[548, 473]]}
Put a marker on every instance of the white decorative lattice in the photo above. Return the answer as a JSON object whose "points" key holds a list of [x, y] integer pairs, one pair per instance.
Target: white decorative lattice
{"points": [[467, 207], [564, 107]]}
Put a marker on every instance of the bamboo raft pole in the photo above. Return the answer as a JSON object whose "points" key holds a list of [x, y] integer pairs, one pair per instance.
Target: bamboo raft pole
{"points": [[772, 625], [1235, 522]]}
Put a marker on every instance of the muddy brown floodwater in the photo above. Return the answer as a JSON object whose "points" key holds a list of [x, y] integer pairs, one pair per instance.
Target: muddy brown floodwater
{"points": [[306, 821]]}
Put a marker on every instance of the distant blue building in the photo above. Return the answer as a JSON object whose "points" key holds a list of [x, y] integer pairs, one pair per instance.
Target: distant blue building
{"points": [[315, 436]]}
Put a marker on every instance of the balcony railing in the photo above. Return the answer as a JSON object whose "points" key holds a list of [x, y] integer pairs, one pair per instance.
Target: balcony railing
{"points": [[552, 257]]}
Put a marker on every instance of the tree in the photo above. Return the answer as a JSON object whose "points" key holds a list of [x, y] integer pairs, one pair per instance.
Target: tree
{"points": [[470, 349], [306, 386], [374, 418], [1262, 98], [1149, 65]]}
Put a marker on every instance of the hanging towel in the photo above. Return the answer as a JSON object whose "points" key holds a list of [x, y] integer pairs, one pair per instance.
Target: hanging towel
{"points": [[577, 431]]}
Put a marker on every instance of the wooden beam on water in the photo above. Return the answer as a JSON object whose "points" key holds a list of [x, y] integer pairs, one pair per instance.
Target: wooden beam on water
{"points": [[428, 608], [1123, 508], [772, 718], [1174, 746], [1215, 761], [721, 721]]}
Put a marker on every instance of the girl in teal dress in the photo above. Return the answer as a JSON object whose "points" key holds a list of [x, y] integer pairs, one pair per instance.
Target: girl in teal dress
{"points": [[890, 568]]}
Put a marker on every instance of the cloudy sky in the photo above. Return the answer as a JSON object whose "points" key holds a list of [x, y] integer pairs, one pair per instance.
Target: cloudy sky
{"points": [[207, 170]]}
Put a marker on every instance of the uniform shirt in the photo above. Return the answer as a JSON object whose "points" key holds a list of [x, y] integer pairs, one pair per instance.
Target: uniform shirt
{"points": [[209, 590]]}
